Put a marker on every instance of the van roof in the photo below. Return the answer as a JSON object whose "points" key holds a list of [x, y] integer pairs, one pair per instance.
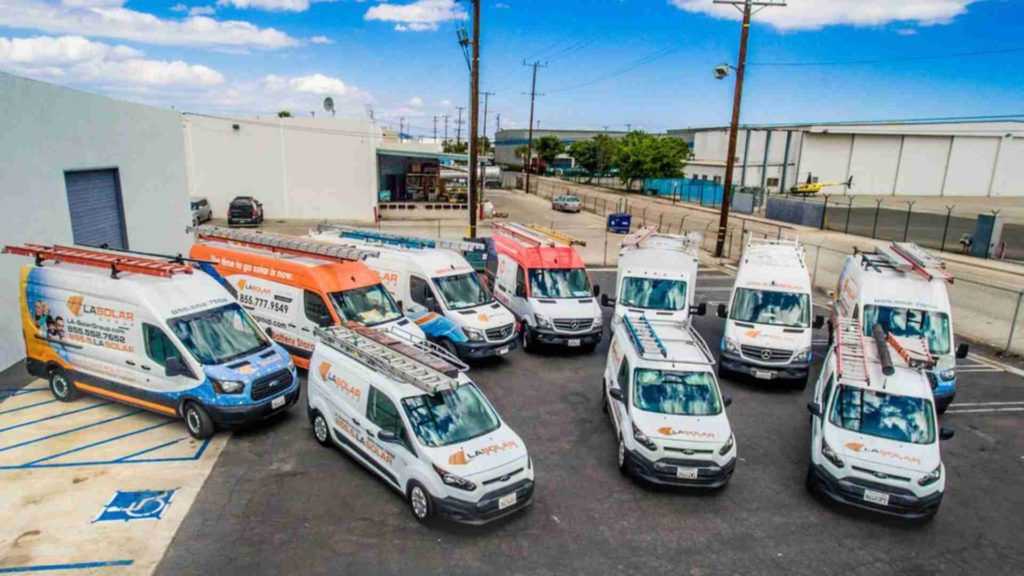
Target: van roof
{"points": [[531, 256], [773, 264], [660, 342], [307, 272], [891, 287], [432, 262], [671, 255], [860, 364]]}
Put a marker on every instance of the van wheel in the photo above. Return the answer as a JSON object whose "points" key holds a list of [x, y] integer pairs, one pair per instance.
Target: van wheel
{"points": [[198, 421], [623, 460], [450, 347], [527, 339], [420, 503], [604, 399], [62, 387], [320, 430]]}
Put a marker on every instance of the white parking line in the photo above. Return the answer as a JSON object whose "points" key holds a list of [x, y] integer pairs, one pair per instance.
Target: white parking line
{"points": [[964, 404], [984, 410], [995, 364]]}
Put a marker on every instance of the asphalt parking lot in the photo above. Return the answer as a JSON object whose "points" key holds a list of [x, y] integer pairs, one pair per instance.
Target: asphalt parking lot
{"points": [[276, 502]]}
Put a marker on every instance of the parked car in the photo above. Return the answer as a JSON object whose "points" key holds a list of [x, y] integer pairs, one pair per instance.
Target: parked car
{"points": [[567, 203], [201, 211], [245, 210]]}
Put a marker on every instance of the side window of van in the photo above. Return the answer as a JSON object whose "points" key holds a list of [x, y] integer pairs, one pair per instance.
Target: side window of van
{"points": [[316, 309], [382, 411], [623, 378], [419, 290], [158, 346], [520, 282]]}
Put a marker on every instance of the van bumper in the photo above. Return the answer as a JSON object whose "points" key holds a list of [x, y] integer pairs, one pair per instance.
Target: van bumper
{"points": [[475, 350], [234, 416], [563, 338], [791, 371], [663, 472], [486, 509], [850, 491]]}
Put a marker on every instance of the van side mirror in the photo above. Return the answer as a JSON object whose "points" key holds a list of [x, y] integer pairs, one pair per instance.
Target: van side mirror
{"points": [[962, 350], [431, 303], [819, 321], [722, 311], [700, 309], [269, 331], [814, 408], [727, 400], [401, 306], [616, 394], [606, 301], [174, 367], [387, 436], [946, 433], [597, 290]]}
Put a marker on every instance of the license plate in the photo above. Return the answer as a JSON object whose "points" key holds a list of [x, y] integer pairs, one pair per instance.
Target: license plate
{"points": [[879, 498], [506, 501], [277, 403], [686, 473], [502, 351], [575, 343], [764, 374]]}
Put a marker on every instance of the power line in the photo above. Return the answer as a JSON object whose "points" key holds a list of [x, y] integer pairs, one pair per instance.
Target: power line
{"points": [[893, 60], [653, 57]]}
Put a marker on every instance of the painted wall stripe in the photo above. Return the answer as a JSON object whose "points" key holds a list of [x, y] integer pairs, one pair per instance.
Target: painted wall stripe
{"points": [[54, 567]]}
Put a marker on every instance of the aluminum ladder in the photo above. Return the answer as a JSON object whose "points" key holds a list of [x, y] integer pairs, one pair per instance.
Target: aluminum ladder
{"points": [[282, 244], [852, 360]]}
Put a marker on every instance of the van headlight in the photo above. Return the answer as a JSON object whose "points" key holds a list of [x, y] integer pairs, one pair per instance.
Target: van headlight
{"points": [[727, 446], [453, 480], [474, 335], [830, 455], [643, 439], [542, 321], [948, 374], [227, 386], [730, 345], [803, 355], [931, 477]]}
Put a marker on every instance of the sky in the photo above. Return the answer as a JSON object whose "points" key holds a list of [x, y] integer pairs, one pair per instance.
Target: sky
{"points": [[644, 64]]}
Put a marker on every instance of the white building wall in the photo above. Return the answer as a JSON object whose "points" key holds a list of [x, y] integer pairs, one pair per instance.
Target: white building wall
{"points": [[826, 157], [874, 163], [297, 167], [970, 166], [923, 165], [45, 130], [1009, 173]]}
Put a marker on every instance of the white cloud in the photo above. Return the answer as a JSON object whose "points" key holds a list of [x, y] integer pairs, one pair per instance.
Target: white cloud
{"points": [[179, 8], [446, 103], [109, 19], [201, 11], [268, 5], [501, 5], [815, 14], [88, 63], [418, 16], [416, 102], [907, 32], [321, 40]]}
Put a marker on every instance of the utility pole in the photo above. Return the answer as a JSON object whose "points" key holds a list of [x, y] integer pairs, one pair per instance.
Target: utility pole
{"points": [[401, 123], [435, 129], [487, 97], [527, 164], [458, 126], [446, 117], [474, 123], [730, 162], [498, 129], [629, 127]]}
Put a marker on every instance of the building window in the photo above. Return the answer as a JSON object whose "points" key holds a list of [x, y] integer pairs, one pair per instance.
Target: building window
{"points": [[773, 182], [704, 177], [718, 180]]}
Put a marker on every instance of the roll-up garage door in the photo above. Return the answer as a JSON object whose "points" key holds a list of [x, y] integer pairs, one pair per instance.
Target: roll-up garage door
{"points": [[97, 214]]}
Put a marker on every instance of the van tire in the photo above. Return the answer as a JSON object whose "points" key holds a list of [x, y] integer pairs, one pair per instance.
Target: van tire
{"points": [[420, 503], [526, 339], [604, 398], [623, 459], [197, 420], [321, 431], [450, 347], [62, 387]]}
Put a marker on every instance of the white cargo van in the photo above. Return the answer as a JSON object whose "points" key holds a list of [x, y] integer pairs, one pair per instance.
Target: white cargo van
{"points": [[904, 289], [768, 328], [431, 282], [405, 409], [664, 402], [874, 428], [149, 332], [657, 276]]}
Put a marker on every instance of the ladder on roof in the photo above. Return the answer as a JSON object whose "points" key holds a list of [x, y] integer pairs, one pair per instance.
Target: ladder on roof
{"points": [[281, 244], [914, 351], [110, 260], [649, 237], [650, 344], [537, 235], [400, 240], [851, 357], [909, 257], [405, 358]]}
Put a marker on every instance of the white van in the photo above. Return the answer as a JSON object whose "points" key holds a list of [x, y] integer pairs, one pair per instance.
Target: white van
{"points": [[430, 282], [657, 276], [904, 289], [149, 332], [768, 328], [404, 408], [664, 402], [874, 428]]}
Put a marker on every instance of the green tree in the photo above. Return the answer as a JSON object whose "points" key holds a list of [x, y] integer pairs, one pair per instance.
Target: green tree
{"points": [[284, 114], [594, 155], [450, 147], [547, 148], [641, 155]]}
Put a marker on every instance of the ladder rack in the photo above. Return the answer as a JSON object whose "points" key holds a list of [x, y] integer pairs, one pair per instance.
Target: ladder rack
{"points": [[650, 344], [400, 240], [774, 251], [405, 358], [281, 244], [649, 237], [909, 257], [567, 239], [851, 357], [538, 235], [110, 260]]}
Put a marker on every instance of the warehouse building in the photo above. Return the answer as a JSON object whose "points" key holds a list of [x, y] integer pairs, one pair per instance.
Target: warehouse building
{"points": [[507, 141]]}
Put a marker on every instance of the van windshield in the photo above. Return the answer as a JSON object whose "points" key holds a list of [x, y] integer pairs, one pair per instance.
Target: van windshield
{"points": [[679, 393], [889, 416], [654, 293], [559, 283], [451, 416], [219, 335], [462, 291], [911, 323], [771, 307], [369, 306]]}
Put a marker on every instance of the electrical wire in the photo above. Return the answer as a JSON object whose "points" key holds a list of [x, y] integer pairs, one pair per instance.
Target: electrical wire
{"points": [[655, 56], [892, 60]]}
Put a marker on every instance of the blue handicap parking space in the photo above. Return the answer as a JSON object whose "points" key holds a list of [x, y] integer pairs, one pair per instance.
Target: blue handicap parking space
{"points": [[139, 505]]}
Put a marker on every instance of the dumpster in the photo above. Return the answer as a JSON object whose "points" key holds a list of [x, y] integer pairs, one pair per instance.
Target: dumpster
{"points": [[619, 223]]}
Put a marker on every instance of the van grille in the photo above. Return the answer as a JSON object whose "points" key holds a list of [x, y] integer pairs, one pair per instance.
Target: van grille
{"points": [[500, 333], [502, 478], [573, 324], [270, 385], [774, 354]]}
